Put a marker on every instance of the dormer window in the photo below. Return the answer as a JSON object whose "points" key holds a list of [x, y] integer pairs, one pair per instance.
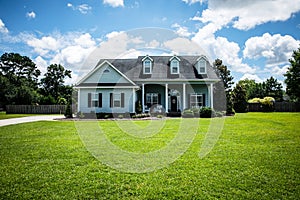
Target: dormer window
{"points": [[174, 65], [147, 65], [201, 66]]}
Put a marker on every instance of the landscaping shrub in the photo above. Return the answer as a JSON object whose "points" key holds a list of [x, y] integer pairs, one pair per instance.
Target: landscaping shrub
{"points": [[187, 113], [206, 112], [68, 112]]}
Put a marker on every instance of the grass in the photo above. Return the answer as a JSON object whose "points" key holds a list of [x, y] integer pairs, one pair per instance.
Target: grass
{"points": [[256, 157], [3, 115]]}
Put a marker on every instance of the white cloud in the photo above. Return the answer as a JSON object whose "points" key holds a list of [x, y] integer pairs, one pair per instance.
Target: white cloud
{"points": [[3, 29], [220, 47], [31, 15], [41, 63], [247, 14], [193, 1], [82, 8], [183, 46], [114, 3], [44, 45], [85, 41], [251, 77], [280, 70], [181, 30], [276, 49]]}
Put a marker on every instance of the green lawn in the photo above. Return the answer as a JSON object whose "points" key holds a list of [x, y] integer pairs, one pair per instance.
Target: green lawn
{"points": [[256, 157], [3, 115]]}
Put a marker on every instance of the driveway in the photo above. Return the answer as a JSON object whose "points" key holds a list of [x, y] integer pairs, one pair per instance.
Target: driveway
{"points": [[6, 122]]}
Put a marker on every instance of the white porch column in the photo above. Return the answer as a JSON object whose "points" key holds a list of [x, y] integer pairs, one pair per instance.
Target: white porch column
{"points": [[183, 96], [166, 97], [143, 97], [133, 100], [78, 103], [211, 95]]}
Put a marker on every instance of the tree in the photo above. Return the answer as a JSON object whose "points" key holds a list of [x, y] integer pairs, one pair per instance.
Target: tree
{"points": [[53, 87], [273, 89], [240, 98], [293, 77], [250, 87], [19, 79], [227, 81]]}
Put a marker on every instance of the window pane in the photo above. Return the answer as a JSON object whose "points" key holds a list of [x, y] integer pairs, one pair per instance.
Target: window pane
{"points": [[117, 103]]}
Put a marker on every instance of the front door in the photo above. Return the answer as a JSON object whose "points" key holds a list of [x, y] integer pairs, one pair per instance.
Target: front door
{"points": [[173, 103]]}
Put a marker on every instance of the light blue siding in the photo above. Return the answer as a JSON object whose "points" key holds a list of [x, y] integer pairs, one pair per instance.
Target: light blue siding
{"points": [[106, 74], [128, 100]]}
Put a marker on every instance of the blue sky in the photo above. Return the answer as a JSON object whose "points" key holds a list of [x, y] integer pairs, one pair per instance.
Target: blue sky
{"points": [[254, 38]]}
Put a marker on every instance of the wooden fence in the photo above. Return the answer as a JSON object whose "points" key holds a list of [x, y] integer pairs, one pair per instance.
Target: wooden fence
{"points": [[277, 107], [34, 109]]}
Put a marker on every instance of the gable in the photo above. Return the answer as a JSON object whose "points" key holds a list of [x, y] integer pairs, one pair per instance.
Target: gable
{"points": [[105, 74]]}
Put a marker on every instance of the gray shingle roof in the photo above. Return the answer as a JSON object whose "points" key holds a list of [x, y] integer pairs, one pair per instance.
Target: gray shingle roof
{"points": [[133, 68]]}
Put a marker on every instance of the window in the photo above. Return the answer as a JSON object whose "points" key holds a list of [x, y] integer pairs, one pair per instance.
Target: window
{"points": [[147, 66], [151, 99], [202, 66], [94, 100], [196, 100], [117, 100], [174, 66]]}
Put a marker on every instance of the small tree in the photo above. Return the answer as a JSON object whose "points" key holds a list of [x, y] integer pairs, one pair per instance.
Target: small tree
{"points": [[274, 89], [293, 77], [240, 98], [225, 86]]}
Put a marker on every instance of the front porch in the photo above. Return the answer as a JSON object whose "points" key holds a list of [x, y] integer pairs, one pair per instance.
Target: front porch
{"points": [[173, 98]]}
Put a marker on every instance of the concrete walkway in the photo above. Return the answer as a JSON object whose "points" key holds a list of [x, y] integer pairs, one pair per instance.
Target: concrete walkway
{"points": [[6, 122]]}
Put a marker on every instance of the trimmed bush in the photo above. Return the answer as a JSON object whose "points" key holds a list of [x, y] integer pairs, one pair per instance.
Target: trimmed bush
{"points": [[187, 114], [207, 112]]}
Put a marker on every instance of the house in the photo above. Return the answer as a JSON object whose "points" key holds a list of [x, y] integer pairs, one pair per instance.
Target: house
{"points": [[148, 83]]}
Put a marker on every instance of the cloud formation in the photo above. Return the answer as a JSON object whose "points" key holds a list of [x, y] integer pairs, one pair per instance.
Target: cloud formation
{"points": [[276, 49], [3, 29], [114, 3], [31, 15], [82, 8], [247, 14]]}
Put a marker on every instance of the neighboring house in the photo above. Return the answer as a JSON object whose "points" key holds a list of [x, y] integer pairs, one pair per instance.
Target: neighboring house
{"points": [[155, 83]]}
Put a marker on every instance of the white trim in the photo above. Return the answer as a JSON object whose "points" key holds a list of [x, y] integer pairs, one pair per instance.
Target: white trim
{"points": [[143, 97], [166, 97], [78, 102], [133, 100], [99, 66], [183, 96], [106, 87], [177, 80], [147, 56], [174, 57], [211, 96]]}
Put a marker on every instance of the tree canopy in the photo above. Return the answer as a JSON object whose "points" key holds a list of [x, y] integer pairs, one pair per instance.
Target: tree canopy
{"points": [[293, 77], [19, 82]]}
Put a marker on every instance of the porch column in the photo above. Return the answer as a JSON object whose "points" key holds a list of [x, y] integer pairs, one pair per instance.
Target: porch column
{"points": [[78, 102], [143, 97], [166, 97], [133, 100], [212, 95], [183, 100]]}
